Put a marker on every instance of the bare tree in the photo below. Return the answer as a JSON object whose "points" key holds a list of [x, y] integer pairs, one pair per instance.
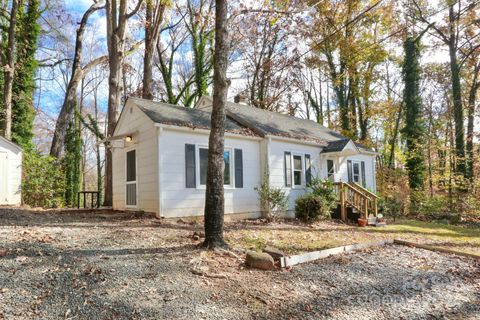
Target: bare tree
{"points": [[76, 76], [214, 195], [117, 19], [10, 71], [154, 18]]}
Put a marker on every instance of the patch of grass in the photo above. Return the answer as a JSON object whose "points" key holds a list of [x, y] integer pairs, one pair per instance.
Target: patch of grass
{"points": [[293, 238]]}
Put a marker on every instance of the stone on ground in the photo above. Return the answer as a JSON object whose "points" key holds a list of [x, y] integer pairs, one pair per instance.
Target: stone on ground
{"points": [[259, 260], [274, 252]]}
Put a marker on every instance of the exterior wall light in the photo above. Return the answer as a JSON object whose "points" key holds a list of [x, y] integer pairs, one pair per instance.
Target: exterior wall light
{"points": [[128, 138]]}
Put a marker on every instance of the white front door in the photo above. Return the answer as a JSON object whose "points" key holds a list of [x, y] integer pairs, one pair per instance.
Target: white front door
{"points": [[3, 178], [356, 172], [131, 181]]}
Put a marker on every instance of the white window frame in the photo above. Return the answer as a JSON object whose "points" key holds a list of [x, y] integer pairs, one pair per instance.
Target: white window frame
{"points": [[302, 176], [127, 150], [359, 171], [197, 167], [334, 168]]}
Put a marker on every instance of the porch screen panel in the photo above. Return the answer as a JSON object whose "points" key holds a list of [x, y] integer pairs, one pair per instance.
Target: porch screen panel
{"points": [[131, 194], [288, 169], [131, 183]]}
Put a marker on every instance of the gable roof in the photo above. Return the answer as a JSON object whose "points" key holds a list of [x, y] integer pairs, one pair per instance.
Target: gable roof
{"points": [[168, 114], [276, 124], [11, 143], [336, 145], [246, 120]]}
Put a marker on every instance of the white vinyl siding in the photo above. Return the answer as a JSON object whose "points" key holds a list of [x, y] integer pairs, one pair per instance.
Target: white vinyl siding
{"points": [[145, 142], [369, 160], [277, 166], [10, 173], [178, 201]]}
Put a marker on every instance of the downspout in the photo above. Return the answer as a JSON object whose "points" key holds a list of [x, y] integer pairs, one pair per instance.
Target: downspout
{"points": [[159, 174]]}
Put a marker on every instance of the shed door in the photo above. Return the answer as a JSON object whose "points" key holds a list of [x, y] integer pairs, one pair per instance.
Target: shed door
{"points": [[131, 192], [3, 178]]}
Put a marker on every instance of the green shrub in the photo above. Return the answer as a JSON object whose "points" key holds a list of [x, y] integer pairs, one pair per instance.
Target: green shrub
{"points": [[391, 206], [437, 207], [273, 200], [309, 207], [43, 181], [324, 189], [318, 202]]}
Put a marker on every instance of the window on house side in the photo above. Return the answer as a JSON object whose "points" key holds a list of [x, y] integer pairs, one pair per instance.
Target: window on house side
{"points": [[297, 170], [330, 169], [203, 161], [356, 172]]}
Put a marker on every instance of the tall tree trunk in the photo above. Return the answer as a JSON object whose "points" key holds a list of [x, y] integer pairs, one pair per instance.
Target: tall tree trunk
{"points": [[154, 18], [117, 18], [320, 99], [457, 95], [214, 195], [329, 118], [393, 141], [97, 148], [10, 71], [472, 98], [414, 130], [70, 100]]}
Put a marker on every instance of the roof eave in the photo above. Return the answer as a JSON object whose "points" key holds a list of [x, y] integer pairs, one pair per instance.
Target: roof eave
{"points": [[203, 131]]}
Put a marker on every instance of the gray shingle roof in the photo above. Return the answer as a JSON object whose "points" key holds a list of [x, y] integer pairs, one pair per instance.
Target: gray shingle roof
{"points": [[169, 114], [277, 124], [247, 120], [336, 145]]}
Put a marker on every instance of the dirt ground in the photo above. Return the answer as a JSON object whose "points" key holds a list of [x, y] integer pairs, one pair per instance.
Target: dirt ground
{"points": [[103, 265]]}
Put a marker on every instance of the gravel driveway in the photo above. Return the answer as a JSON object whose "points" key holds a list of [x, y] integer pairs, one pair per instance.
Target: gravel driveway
{"points": [[117, 266]]}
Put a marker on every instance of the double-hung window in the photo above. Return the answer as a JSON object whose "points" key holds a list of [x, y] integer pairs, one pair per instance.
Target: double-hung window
{"points": [[203, 165], [330, 169], [356, 172], [196, 166], [297, 169]]}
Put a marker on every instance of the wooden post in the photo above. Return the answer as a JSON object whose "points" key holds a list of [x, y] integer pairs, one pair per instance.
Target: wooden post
{"points": [[366, 207], [78, 200], [343, 211]]}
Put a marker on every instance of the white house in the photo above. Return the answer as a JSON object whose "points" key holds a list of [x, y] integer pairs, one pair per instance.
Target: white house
{"points": [[160, 157], [10, 173]]}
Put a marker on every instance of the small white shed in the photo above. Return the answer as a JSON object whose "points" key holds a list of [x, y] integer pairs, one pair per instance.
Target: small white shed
{"points": [[10, 173]]}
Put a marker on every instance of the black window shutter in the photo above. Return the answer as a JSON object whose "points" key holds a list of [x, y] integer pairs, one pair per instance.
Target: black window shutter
{"points": [[364, 182], [238, 168], [288, 169], [349, 169], [190, 166], [308, 169]]}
